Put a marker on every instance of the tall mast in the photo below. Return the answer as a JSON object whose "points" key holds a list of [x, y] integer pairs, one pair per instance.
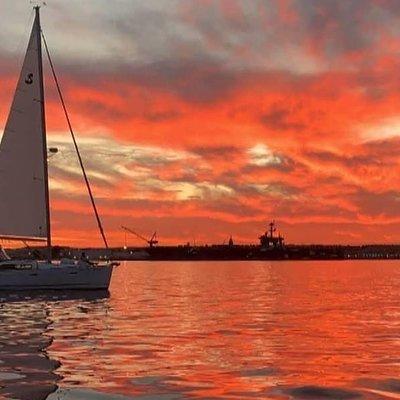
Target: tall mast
{"points": [[43, 123]]}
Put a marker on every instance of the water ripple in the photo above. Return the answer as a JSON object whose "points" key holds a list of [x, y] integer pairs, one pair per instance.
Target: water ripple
{"points": [[257, 330]]}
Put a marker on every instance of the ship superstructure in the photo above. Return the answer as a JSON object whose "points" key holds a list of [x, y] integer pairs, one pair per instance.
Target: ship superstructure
{"points": [[271, 241]]}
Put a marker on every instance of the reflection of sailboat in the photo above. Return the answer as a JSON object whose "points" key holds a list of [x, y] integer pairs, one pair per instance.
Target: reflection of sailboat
{"points": [[29, 369], [26, 371], [24, 192]]}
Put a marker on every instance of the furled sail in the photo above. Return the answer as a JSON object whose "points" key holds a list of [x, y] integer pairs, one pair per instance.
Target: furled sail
{"points": [[23, 173]]}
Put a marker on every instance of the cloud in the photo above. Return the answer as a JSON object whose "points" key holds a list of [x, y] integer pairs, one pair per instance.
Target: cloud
{"points": [[278, 118], [385, 204], [108, 161], [261, 156], [222, 114], [385, 129]]}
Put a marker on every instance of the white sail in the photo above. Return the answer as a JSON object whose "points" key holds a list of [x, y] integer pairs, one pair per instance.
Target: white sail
{"points": [[23, 178]]}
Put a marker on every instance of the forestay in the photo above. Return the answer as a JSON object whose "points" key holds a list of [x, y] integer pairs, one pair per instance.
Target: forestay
{"points": [[22, 165]]}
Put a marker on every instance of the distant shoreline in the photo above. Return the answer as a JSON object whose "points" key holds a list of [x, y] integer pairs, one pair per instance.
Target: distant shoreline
{"points": [[220, 253]]}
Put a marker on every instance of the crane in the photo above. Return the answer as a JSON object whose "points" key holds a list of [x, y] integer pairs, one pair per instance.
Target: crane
{"points": [[151, 242]]}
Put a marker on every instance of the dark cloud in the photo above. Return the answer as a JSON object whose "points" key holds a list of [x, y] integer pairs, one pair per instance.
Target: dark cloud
{"points": [[144, 33], [161, 116], [204, 52], [351, 160], [386, 149], [279, 118], [376, 153], [372, 204], [216, 151], [233, 207], [102, 109], [314, 207], [337, 27], [195, 81]]}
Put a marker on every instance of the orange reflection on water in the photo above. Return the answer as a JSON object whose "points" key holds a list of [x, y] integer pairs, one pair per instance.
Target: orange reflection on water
{"points": [[236, 330]]}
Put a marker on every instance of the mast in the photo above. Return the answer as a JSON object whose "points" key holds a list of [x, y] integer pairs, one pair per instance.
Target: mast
{"points": [[43, 123]]}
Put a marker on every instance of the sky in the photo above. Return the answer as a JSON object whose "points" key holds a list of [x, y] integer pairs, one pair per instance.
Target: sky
{"points": [[201, 119]]}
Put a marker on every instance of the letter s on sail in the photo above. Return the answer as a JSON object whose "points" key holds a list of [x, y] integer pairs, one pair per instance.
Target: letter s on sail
{"points": [[29, 79]]}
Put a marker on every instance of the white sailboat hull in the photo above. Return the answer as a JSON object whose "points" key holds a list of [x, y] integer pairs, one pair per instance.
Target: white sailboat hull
{"points": [[33, 275], [24, 189]]}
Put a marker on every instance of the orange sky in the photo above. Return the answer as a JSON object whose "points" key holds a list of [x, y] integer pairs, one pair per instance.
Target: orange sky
{"points": [[208, 118]]}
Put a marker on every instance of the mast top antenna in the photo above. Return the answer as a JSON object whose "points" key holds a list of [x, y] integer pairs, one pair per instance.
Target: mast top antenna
{"points": [[38, 3]]}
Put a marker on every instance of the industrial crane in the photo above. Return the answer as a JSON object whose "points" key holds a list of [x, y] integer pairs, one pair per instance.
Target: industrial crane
{"points": [[151, 242]]}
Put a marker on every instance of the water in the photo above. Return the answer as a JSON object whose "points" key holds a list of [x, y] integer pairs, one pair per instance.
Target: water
{"points": [[229, 330]]}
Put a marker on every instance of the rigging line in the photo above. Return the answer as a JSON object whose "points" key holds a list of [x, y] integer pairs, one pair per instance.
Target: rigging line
{"points": [[75, 143]]}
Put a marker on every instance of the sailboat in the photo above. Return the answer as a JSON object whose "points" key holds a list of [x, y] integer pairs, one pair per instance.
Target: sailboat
{"points": [[24, 186]]}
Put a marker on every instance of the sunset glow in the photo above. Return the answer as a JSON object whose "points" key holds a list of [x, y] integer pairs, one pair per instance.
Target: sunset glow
{"points": [[204, 119]]}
